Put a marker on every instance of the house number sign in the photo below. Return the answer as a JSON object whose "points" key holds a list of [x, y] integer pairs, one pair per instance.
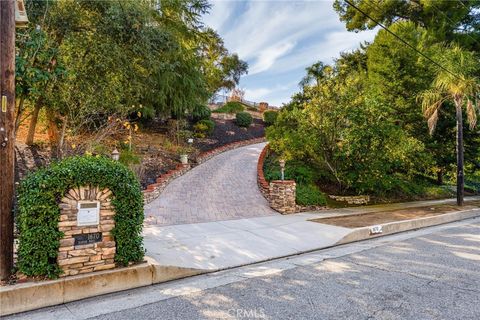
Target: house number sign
{"points": [[87, 238]]}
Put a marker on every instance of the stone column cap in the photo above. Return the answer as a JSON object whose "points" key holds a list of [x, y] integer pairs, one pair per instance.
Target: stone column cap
{"points": [[283, 181]]}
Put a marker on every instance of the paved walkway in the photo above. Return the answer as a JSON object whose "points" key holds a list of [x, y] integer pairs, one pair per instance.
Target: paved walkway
{"points": [[223, 188]]}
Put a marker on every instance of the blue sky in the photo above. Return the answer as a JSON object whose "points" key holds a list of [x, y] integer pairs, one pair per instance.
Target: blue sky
{"points": [[279, 39]]}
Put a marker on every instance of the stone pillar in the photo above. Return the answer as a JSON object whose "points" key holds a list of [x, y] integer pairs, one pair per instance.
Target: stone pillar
{"points": [[282, 196], [86, 219]]}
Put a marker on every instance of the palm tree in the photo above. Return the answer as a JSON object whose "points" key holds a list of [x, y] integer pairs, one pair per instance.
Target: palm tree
{"points": [[456, 84], [315, 74]]}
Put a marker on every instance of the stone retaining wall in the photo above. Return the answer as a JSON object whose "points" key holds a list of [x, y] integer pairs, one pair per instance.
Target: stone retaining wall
{"points": [[154, 190], [351, 199], [223, 116], [233, 116], [262, 183], [74, 259]]}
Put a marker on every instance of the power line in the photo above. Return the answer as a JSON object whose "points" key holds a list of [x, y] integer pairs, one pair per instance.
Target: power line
{"points": [[461, 2], [437, 9], [401, 39], [446, 16]]}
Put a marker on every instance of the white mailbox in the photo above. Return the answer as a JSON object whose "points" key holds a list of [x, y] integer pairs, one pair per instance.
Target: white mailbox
{"points": [[88, 213]]}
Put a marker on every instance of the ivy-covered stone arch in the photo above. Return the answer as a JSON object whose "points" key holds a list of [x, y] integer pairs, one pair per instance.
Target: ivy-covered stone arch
{"points": [[38, 211]]}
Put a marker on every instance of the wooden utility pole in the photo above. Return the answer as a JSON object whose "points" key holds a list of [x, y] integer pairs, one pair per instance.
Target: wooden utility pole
{"points": [[7, 155], [460, 174]]}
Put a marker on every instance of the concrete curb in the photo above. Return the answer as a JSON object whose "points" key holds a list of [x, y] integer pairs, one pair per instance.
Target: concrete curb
{"points": [[365, 233], [262, 183], [34, 295]]}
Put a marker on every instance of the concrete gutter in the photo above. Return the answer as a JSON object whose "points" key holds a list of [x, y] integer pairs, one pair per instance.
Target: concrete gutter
{"points": [[364, 233], [34, 295]]}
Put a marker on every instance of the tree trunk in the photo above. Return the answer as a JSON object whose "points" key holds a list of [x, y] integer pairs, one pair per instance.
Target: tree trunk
{"points": [[460, 177], [18, 118], [440, 177], [62, 139], [52, 130], [33, 122]]}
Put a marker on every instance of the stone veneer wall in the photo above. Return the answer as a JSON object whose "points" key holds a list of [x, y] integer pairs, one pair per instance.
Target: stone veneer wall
{"points": [[351, 199], [223, 116], [282, 196], [153, 191], [232, 116], [89, 257]]}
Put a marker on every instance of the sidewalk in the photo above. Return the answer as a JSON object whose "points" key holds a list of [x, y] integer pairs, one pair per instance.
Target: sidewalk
{"points": [[224, 244]]}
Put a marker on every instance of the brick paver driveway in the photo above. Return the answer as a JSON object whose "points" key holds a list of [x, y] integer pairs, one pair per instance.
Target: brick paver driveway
{"points": [[223, 188]]}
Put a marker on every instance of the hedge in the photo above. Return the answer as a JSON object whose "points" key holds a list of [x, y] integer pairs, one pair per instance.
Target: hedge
{"points": [[230, 107], [243, 119], [269, 117], [38, 211]]}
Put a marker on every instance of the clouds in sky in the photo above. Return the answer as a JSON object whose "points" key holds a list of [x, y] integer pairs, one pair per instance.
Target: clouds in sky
{"points": [[279, 39]]}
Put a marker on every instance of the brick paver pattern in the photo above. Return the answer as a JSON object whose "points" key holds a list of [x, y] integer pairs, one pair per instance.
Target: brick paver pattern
{"points": [[223, 188]]}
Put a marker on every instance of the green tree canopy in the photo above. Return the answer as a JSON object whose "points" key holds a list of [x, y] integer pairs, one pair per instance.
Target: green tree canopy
{"points": [[119, 57]]}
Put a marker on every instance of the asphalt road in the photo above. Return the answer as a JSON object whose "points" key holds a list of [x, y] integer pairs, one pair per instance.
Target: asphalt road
{"points": [[433, 274]]}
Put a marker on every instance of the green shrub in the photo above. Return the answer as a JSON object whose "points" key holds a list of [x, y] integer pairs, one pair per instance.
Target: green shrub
{"points": [[438, 192], [201, 112], [269, 117], [309, 195], [271, 168], [128, 157], [473, 183], [210, 124], [200, 130], [99, 148], [231, 107], [243, 119], [300, 172], [294, 170], [204, 128], [184, 135], [145, 113], [39, 212]]}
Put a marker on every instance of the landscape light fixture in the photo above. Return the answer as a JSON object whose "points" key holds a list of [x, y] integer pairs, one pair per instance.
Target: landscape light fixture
{"points": [[282, 167], [115, 154]]}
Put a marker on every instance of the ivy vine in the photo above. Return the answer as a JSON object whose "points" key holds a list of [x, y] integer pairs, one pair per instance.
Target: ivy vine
{"points": [[38, 211]]}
